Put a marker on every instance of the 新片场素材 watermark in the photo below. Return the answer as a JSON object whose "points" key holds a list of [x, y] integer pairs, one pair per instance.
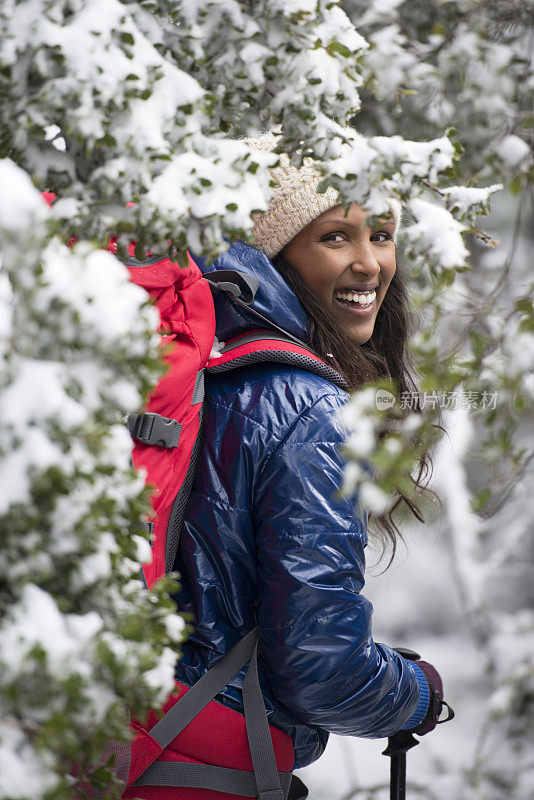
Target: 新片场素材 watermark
{"points": [[448, 400]]}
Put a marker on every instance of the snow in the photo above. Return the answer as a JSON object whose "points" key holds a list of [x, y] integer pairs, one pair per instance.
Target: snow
{"points": [[96, 566], [87, 42], [338, 28], [352, 476], [96, 285], [513, 150], [216, 349], [21, 205], [38, 395], [72, 346], [213, 183], [254, 55], [416, 158], [373, 498], [357, 156], [528, 385], [143, 551], [161, 677], [174, 626], [361, 440], [6, 312], [466, 527], [37, 620], [25, 771], [436, 231], [378, 12], [33, 400], [391, 71], [464, 198], [52, 134]]}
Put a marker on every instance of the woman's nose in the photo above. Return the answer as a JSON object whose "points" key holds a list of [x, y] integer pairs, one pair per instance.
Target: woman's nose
{"points": [[364, 260]]}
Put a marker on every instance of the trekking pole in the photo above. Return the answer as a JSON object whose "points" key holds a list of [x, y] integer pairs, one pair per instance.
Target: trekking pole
{"points": [[398, 746], [401, 742]]}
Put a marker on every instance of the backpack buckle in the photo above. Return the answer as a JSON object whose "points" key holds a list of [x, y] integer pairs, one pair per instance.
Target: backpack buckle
{"points": [[154, 429]]}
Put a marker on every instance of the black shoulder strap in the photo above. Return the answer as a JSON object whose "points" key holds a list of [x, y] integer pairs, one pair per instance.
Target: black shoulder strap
{"points": [[258, 347]]}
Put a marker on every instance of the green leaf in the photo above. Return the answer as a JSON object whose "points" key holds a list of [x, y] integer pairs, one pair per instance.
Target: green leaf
{"points": [[480, 500], [336, 47], [524, 304], [515, 185], [139, 252]]}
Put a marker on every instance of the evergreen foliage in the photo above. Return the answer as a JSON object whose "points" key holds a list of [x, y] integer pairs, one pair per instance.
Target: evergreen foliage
{"points": [[134, 114]]}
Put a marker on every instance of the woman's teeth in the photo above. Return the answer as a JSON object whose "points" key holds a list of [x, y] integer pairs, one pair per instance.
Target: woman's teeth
{"points": [[363, 299]]}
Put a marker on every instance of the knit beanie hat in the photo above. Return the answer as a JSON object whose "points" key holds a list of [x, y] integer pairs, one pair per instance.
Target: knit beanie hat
{"points": [[295, 201]]}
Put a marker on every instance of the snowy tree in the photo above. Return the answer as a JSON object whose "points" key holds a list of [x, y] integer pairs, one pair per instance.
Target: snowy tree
{"points": [[468, 64], [133, 114], [81, 642]]}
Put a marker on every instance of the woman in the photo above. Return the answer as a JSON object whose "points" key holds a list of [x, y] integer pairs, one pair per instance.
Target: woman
{"points": [[266, 541]]}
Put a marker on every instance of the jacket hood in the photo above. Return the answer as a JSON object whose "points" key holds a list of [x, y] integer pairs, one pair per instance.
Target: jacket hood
{"points": [[274, 298]]}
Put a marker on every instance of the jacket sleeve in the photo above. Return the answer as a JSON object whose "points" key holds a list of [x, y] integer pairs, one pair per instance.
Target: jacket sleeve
{"points": [[320, 657]]}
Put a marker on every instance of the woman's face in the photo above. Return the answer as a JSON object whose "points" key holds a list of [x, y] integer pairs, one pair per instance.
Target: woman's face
{"points": [[348, 265]]}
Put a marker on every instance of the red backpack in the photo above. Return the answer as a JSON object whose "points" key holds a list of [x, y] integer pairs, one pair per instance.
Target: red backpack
{"points": [[198, 744], [167, 434]]}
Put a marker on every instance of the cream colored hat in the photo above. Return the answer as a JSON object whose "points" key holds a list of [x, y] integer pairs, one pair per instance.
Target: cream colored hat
{"points": [[295, 201]]}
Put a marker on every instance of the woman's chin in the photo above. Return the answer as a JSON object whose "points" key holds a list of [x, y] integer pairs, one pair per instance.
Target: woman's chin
{"points": [[361, 330], [363, 335]]}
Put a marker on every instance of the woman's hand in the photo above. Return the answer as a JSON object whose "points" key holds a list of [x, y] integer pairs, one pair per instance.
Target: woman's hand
{"points": [[435, 688]]}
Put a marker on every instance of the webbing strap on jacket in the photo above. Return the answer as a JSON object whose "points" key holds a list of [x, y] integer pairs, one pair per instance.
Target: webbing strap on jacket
{"points": [[204, 776], [258, 734], [204, 690], [265, 783]]}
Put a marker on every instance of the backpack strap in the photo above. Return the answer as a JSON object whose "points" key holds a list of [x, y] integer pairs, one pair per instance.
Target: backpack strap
{"points": [[152, 428], [265, 782], [261, 346]]}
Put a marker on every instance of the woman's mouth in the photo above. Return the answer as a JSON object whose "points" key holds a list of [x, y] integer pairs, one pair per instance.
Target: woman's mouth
{"points": [[359, 304]]}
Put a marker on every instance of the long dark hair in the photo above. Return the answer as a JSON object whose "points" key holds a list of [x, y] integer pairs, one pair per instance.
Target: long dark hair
{"points": [[385, 355]]}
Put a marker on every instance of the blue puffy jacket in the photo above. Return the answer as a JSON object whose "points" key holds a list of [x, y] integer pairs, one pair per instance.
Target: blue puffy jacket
{"points": [[265, 542]]}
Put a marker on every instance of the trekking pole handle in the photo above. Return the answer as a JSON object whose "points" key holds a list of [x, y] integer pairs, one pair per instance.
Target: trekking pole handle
{"points": [[409, 655]]}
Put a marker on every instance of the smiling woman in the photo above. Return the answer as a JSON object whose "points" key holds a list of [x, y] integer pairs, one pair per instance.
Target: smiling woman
{"points": [[322, 264], [267, 543], [348, 264], [345, 274]]}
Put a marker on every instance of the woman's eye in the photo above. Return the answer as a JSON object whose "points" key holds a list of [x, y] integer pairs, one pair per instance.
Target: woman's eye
{"points": [[381, 236], [336, 236]]}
